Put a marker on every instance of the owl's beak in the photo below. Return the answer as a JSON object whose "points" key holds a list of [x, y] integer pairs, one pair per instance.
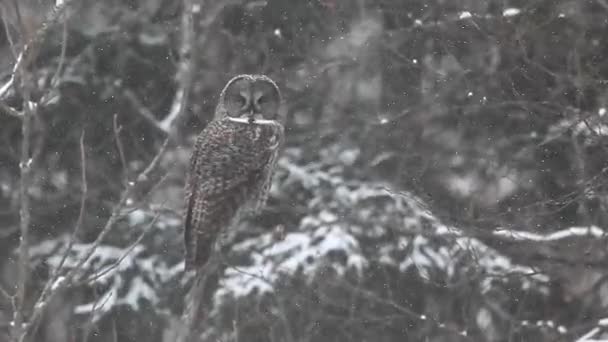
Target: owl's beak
{"points": [[252, 116]]}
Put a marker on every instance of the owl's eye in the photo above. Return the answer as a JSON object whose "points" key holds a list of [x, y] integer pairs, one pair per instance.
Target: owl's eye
{"points": [[241, 100], [262, 99]]}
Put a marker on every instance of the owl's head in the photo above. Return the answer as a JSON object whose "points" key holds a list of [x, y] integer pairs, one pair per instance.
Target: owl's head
{"points": [[250, 97]]}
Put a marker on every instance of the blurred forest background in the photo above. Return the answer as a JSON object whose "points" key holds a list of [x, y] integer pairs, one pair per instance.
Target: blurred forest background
{"points": [[444, 179]]}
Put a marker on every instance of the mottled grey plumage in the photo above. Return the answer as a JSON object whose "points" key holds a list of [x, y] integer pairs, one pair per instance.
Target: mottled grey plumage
{"points": [[232, 163]]}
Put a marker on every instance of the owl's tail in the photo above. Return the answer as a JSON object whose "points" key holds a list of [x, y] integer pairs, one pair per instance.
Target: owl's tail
{"points": [[197, 258], [192, 315], [192, 309]]}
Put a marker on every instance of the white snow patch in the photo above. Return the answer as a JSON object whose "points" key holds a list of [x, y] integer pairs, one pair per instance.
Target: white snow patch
{"points": [[348, 157], [484, 319], [152, 38], [463, 185], [505, 187], [138, 289], [297, 252], [327, 216], [60, 280], [137, 217], [464, 15], [510, 12]]}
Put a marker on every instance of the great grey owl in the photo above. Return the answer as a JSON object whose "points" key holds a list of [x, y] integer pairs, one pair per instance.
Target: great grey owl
{"points": [[232, 163]]}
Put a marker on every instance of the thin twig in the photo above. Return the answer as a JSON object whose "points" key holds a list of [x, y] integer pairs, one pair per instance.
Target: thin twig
{"points": [[144, 176], [18, 58], [120, 147], [5, 293], [19, 17], [83, 200], [88, 325], [64, 43], [9, 110], [126, 253], [9, 37]]}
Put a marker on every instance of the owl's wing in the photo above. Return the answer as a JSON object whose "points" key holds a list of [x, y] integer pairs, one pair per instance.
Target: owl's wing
{"points": [[277, 140], [227, 166]]}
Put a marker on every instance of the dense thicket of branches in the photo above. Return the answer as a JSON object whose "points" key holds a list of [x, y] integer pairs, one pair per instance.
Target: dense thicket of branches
{"points": [[445, 176]]}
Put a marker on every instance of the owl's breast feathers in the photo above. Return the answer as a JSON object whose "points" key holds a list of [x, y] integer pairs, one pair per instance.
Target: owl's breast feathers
{"points": [[230, 168]]}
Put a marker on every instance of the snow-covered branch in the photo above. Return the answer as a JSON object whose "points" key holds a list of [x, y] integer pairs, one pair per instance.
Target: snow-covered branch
{"points": [[572, 232]]}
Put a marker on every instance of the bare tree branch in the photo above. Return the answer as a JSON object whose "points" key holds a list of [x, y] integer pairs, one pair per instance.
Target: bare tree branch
{"points": [[25, 165], [184, 70], [588, 336], [72, 276], [143, 111], [30, 48]]}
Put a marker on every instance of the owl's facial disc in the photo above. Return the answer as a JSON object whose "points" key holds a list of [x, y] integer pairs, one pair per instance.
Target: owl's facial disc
{"points": [[252, 98]]}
